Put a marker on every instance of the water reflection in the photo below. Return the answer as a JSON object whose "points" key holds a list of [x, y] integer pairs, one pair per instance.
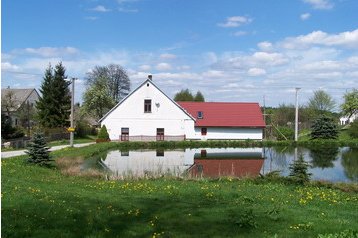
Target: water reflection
{"points": [[323, 157], [243, 162], [350, 163], [331, 164]]}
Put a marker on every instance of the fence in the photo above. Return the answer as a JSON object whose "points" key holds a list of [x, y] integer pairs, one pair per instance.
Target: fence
{"points": [[24, 141], [153, 138]]}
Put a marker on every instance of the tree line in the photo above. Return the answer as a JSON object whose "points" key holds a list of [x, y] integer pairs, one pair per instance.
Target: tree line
{"points": [[107, 85]]}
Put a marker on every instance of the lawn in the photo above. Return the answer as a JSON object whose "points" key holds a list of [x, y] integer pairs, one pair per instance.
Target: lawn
{"points": [[41, 202]]}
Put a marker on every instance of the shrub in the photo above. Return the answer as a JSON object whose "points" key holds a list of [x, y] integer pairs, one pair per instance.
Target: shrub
{"points": [[103, 134], [324, 128], [299, 171], [38, 151], [353, 129], [287, 132]]}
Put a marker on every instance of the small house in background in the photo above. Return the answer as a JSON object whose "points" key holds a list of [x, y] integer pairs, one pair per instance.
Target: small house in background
{"points": [[13, 100], [346, 120], [148, 114]]}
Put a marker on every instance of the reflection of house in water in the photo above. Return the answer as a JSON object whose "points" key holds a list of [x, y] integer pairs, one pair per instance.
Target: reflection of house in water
{"points": [[147, 162], [236, 162], [208, 162]]}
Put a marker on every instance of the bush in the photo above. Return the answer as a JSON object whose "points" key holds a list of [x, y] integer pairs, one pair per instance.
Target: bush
{"points": [[324, 128], [287, 132], [299, 171], [353, 129], [103, 134], [38, 151]]}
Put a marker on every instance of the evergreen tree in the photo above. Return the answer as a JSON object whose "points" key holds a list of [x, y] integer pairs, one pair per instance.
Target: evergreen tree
{"points": [[324, 128], [54, 105], [199, 97], [184, 96], [299, 171], [103, 134], [38, 151]]}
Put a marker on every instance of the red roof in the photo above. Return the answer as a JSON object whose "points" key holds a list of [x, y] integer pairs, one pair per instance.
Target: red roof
{"points": [[223, 167], [225, 114]]}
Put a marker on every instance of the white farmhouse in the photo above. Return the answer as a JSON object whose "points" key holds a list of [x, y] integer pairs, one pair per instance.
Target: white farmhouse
{"points": [[148, 114]]}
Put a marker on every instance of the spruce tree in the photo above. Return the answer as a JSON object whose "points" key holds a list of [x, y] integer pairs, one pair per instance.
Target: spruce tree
{"points": [[38, 151], [299, 171], [54, 105]]}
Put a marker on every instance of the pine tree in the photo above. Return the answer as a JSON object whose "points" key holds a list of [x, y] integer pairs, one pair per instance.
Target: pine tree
{"points": [[54, 105], [324, 128], [38, 151], [103, 134], [199, 97], [299, 171]]}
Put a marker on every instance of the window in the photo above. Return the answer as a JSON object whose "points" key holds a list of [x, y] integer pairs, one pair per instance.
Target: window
{"points": [[160, 153], [125, 153], [200, 115], [124, 134], [160, 133], [147, 105], [204, 131]]}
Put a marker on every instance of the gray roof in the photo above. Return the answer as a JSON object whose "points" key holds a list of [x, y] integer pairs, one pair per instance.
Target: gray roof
{"points": [[20, 95]]}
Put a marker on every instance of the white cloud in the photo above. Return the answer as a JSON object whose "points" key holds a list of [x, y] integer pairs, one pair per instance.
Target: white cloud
{"points": [[47, 51], [305, 16], [167, 56], [269, 58], [184, 67], [347, 39], [320, 4], [235, 21], [265, 46], [7, 66], [163, 66], [256, 72], [100, 8], [145, 67]]}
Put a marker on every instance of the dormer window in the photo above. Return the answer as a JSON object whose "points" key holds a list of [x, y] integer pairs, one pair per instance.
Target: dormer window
{"points": [[200, 115], [147, 105]]}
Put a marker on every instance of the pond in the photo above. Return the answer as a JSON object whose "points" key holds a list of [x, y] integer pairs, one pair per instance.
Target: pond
{"points": [[328, 163]]}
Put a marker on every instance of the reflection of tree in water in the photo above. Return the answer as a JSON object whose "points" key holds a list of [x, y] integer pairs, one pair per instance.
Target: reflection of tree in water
{"points": [[323, 156], [350, 163], [278, 155]]}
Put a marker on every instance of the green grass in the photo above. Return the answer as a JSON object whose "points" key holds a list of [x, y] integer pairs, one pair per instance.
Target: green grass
{"points": [[41, 202], [67, 142]]}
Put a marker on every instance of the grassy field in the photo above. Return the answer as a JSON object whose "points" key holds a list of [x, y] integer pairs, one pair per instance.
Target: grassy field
{"points": [[42, 202]]}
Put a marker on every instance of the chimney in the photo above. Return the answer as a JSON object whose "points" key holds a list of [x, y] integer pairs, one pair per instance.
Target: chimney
{"points": [[150, 77]]}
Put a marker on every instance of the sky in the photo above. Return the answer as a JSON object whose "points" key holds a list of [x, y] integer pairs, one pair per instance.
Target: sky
{"points": [[230, 50]]}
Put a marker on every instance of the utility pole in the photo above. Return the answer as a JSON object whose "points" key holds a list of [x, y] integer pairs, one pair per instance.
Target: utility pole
{"points": [[72, 111], [296, 116]]}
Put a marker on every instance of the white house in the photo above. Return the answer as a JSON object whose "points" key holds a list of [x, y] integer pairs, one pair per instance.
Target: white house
{"points": [[147, 114], [346, 120]]}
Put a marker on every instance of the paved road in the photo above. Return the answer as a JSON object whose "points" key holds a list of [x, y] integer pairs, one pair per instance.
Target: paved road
{"points": [[9, 154]]}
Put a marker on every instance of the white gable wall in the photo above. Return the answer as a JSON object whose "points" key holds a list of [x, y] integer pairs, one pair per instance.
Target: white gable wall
{"points": [[165, 114], [228, 133]]}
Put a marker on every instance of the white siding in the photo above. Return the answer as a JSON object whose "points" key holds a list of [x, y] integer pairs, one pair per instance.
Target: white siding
{"points": [[165, 114], [228, 133]]}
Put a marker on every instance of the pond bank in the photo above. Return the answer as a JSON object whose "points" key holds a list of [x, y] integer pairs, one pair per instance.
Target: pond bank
{"points": [[39, 201]]}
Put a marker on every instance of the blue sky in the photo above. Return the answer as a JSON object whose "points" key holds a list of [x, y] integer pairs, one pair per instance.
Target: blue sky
{"points": [[231, 50]]}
